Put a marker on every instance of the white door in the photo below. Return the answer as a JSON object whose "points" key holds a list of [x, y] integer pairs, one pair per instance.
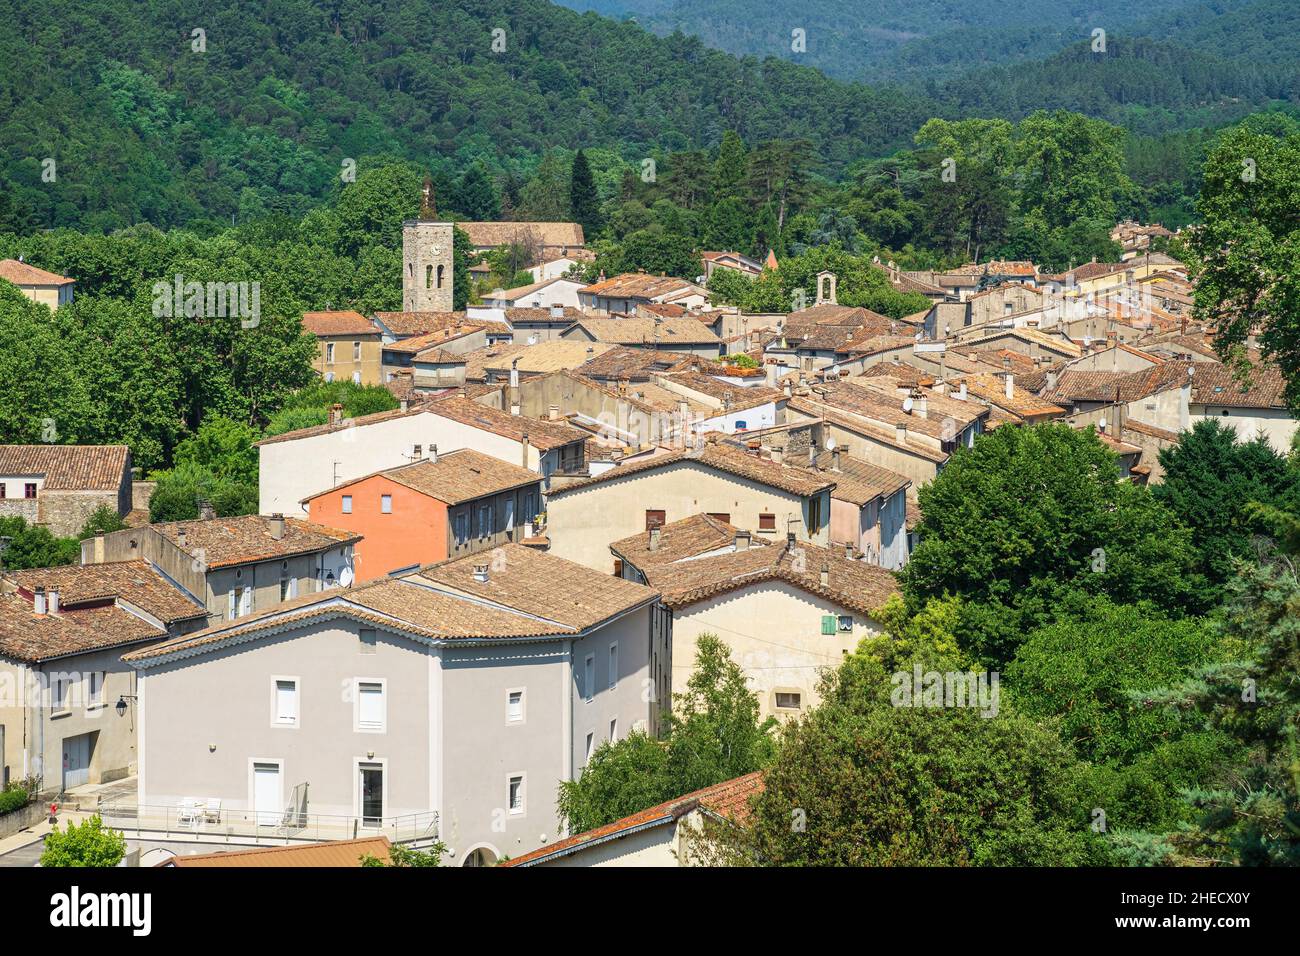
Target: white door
{"points": [[267, 800], [76, 761]]}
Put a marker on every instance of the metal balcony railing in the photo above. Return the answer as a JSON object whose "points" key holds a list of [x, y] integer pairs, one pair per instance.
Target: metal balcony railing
{"points": [[243, 826]]}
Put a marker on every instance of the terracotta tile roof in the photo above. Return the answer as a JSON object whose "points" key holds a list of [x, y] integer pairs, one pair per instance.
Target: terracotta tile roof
{"points": [[851, 315], [344, 322], [68, 467], [1026, 334], [432, 340], [1142, 428], [873, 398], [1024, 403], [136, 582], [729, 800], [736, 397], [686, 538], [998, 267], [20, 273], [859, 481], [1261, 387], [535, 583], [1074, 386], [664, 332], [226, 542], [523, 291], [336, 853], [503, 233], [640, 285], [420, 323], [856, 585], [543, 314], [456, 477], [542, 434], [528, 595], [549, 356], [876, 430], [718, 457], [622, 362], [31, 637]]}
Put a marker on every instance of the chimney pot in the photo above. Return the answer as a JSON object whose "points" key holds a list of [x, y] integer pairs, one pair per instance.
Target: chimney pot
{"points": [[826, 575], [742, 540], [900, 431], [655, 533], [336, 413], [1011, 384], [433, 454], [38, 603], [481, 573], [277, 526], [835, 460], [961, 391], [553, 412], [52, 600], [180, 536]]}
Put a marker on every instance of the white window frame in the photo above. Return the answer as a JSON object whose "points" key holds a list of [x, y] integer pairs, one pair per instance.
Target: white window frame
{"points": [[95, 689], [522, 777], [345, 505], [613, 730], [382, 764], [589, 678], [356, 704], [385, 504], [523, 706], [276, 681], [246, 600], [590, 748], [612, 666]]}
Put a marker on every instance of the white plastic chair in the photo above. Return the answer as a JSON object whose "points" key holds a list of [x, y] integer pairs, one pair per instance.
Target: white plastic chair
{"points": [[212, 810], [188, 812]]}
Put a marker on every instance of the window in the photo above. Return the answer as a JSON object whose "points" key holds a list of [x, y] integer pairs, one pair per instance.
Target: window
{"points": [[589, 677], [571, 458], [515, 791], [613, 730], [787, 700], [95, 689], [29, 490], [356, 351], [428, 277], [613, 666], [655, 519], [2, 489], [347, 504], [846, 622], [371, 712], [288, 585], [367, 640], [246, 601], [591, 743], [441, 269], [514, 706], [329, 353], [462, 527], [386, 504], [60, 691], [618, 567], [720, 516], [828, 624], [767, 522], [286, 702], [814, 514], [485, 520]]}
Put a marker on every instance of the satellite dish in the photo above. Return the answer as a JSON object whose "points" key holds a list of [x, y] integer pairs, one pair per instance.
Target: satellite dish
{"points": [[830, 444], [907, 404]]}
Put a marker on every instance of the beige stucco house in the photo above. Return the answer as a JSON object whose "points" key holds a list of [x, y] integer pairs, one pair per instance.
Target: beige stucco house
{"points": [[61, 486], [348, 347], [787, 610], [67, 702], [583, 518], [47, 288], [447, 703]]}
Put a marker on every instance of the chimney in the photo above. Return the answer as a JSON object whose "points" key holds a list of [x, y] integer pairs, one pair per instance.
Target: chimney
{"points": [[961, 390], [848, 550], [181, 537], [835, 459], [336, 413], [406, 405], [920, 403], [742, 540], [812, 456], [206, 511], [553, 412], [900, 431], [778, 453], [826, 575], [653, 544], [481, 573], [1011, 385], [52, 600], [1051, 379], [524, 448], [557, 311], [789, 541], [38, 604], [514, 373], [277, 526], [788, 388], [433, 454]]}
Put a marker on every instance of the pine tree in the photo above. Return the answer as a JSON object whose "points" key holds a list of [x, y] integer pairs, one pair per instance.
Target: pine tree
{"points": [[475, 195], [583, 198]]}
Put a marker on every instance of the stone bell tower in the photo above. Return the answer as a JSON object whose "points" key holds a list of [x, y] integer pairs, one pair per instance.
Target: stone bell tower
{"points": [[426, 259]]}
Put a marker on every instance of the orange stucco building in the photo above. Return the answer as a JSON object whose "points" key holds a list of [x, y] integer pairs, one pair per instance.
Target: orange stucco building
{"points": [[438, 507]]}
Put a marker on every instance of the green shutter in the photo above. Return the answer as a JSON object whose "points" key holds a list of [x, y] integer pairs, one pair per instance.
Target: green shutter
{"points": [[828, 623]]}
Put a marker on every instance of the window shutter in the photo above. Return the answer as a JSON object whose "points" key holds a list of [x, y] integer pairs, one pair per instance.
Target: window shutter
{"points": [[828, 623], [371, 715]]}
